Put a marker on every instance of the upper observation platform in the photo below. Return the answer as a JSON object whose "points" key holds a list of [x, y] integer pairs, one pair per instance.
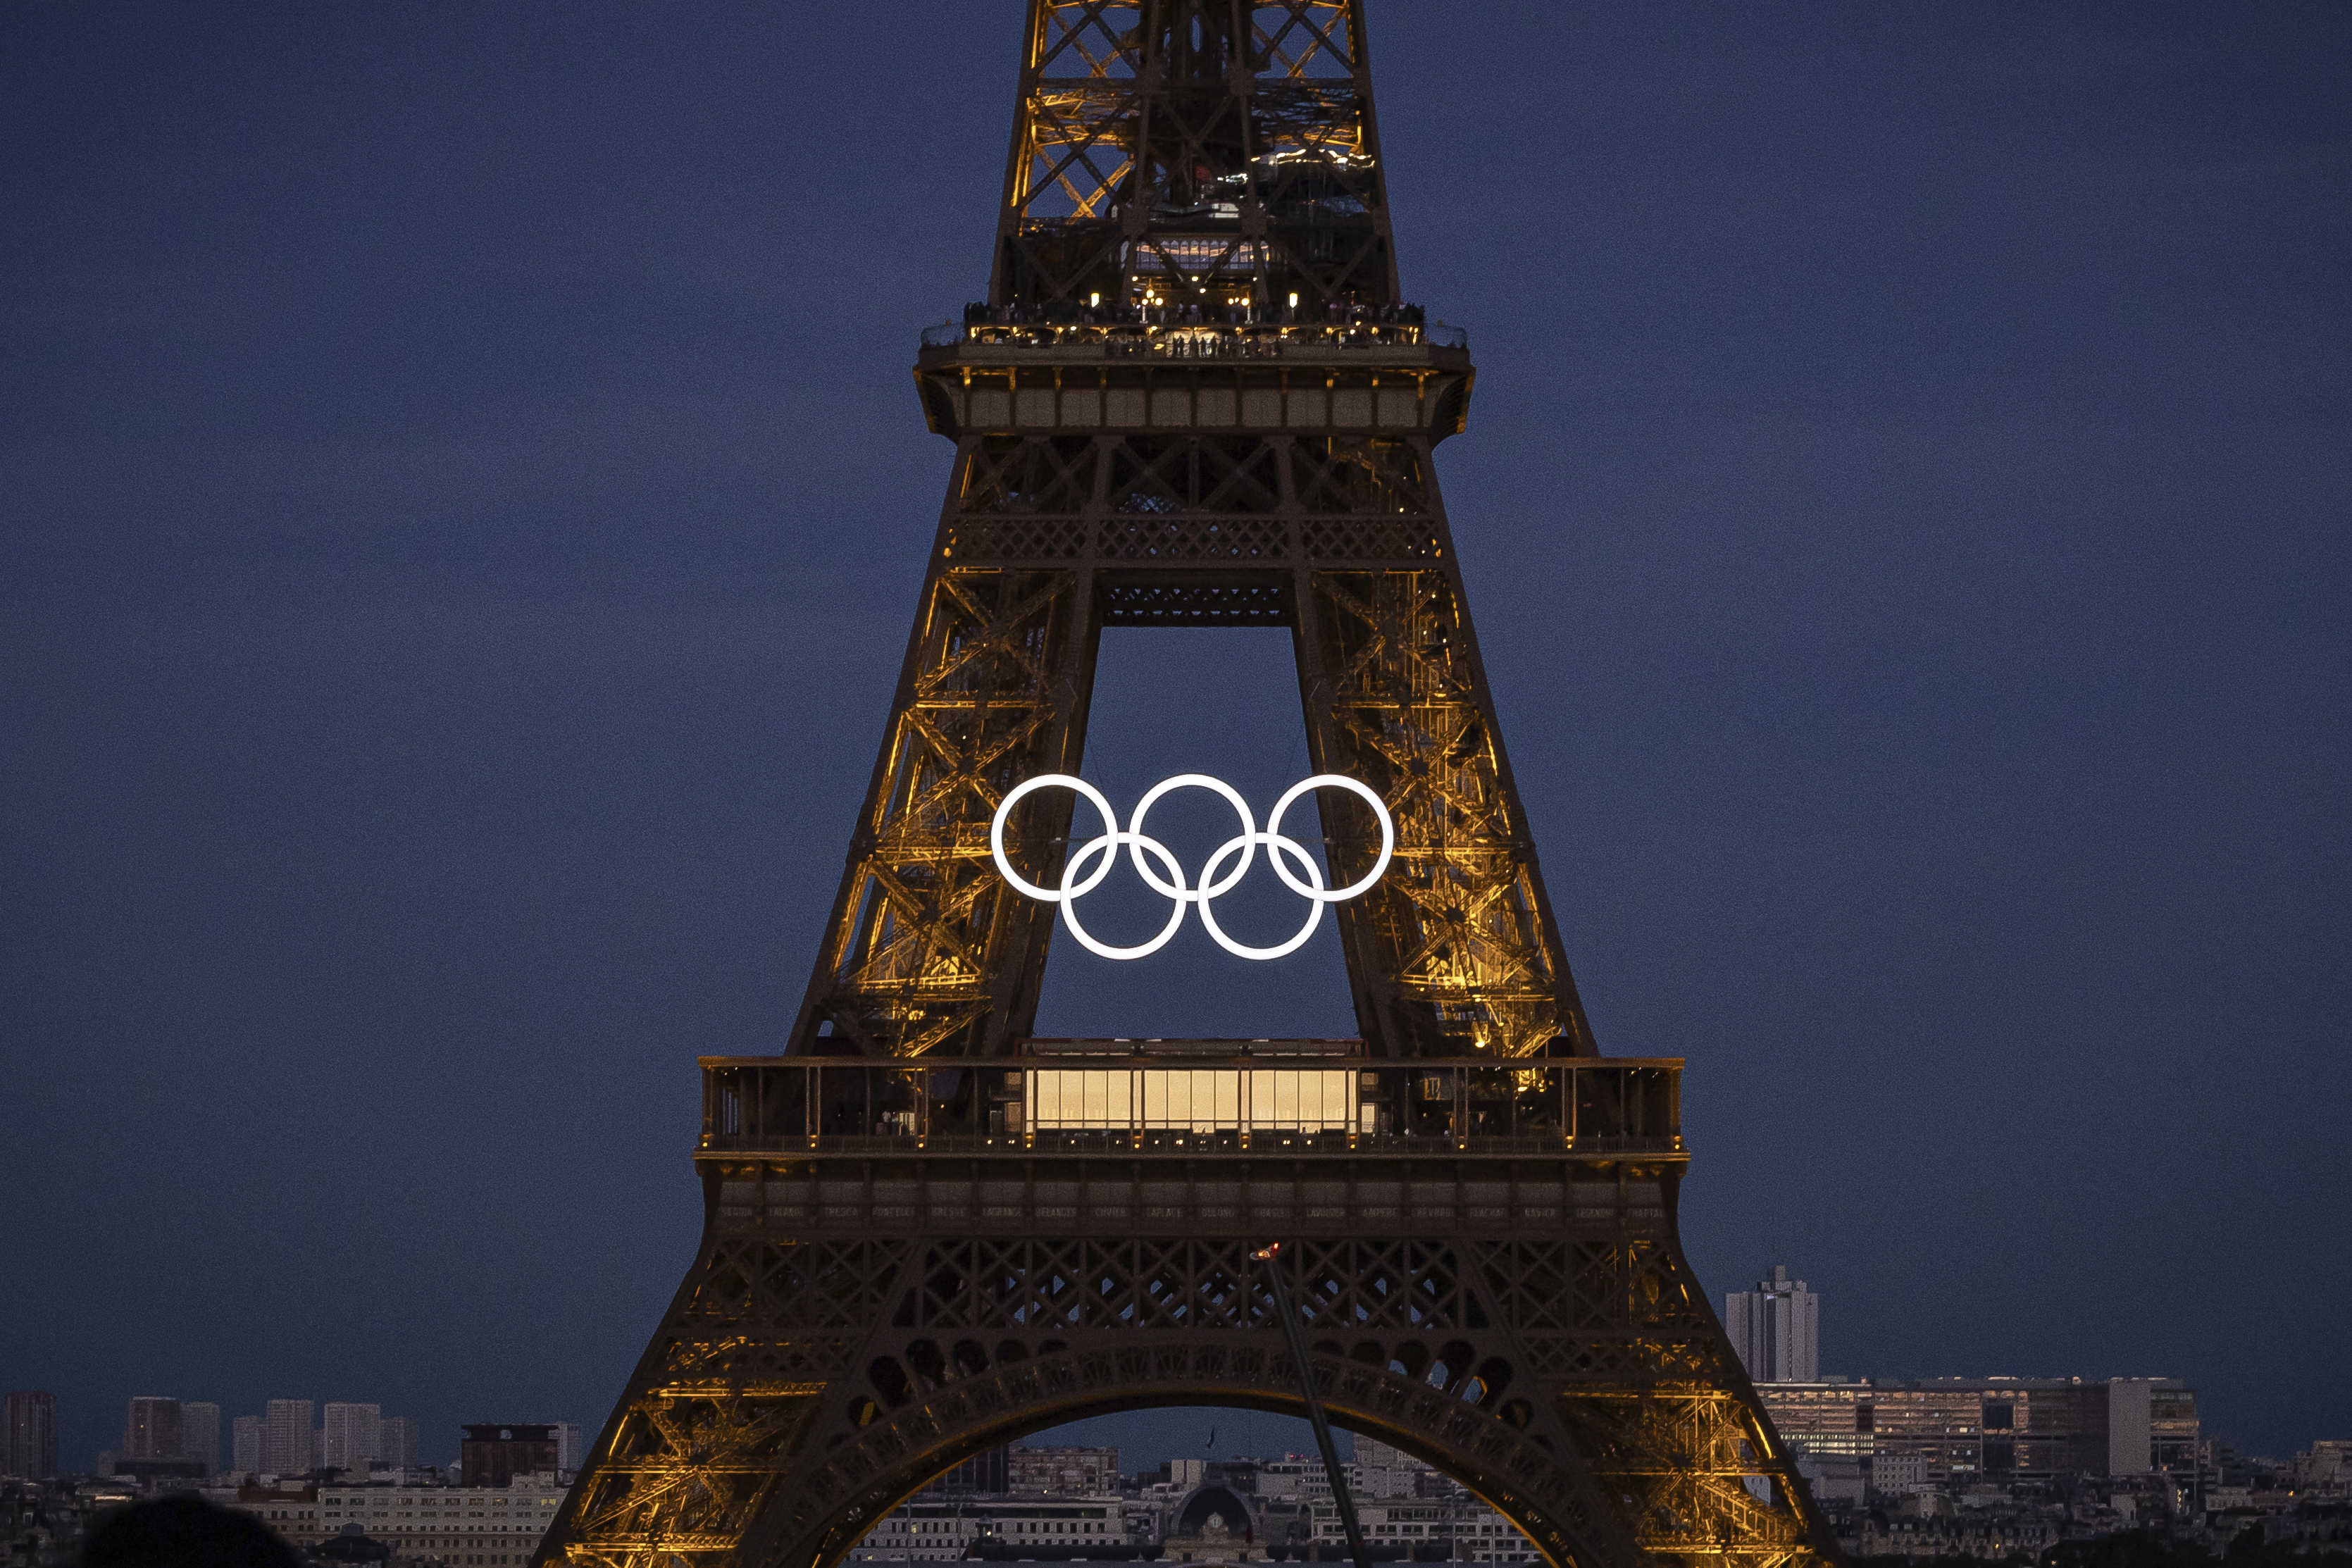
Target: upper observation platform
{"points": [[1194, 238], [1353, 369], [1353, 332]]}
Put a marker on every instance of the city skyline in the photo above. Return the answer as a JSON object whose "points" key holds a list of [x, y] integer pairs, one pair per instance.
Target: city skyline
{"points": [[1773, 1326], [1261, 1435], [459, 524], [1998, 1470]]}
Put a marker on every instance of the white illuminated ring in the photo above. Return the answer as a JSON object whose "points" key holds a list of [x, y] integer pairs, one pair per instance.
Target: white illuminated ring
{"points": [[1092, 861]]}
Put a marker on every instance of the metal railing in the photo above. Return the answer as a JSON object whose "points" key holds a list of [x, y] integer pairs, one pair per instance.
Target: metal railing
{"points": [[1128, 340], [1192, 1106]]}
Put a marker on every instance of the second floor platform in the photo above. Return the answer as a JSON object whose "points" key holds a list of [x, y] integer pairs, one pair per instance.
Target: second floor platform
{"points": [[1190, 1099]]}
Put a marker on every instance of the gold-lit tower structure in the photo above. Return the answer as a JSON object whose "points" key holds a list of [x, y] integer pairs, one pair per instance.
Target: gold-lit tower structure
{"points": [[1194, 397]]}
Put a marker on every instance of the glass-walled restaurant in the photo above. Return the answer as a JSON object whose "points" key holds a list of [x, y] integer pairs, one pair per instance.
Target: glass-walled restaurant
{"points": [[1194, 1099]]}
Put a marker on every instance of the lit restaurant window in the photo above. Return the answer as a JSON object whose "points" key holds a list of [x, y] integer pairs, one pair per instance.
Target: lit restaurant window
{"points": [[1198, 1100]]}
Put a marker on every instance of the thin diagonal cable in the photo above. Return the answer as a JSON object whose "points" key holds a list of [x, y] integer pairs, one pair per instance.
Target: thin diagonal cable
{"points": [[1271, 1256]]}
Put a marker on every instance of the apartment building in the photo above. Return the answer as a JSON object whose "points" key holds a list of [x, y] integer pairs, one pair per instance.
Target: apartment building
{"points": [[1953, 1430], [465, 1527], [1061, 1472], [1476, 1531], [935, 1527]]}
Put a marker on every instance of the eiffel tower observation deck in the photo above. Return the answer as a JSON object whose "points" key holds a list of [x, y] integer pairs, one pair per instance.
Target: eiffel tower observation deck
{"points": [[1194, 396]]}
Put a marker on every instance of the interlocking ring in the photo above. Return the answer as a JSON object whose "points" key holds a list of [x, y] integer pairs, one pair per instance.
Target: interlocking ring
{"points": [[1102, 852]]}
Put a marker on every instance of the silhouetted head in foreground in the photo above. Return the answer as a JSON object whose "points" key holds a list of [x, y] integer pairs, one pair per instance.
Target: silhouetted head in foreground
{"points": [[185, 1531]]}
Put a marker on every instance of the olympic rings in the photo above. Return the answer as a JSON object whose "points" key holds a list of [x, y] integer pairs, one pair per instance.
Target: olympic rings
{"points": [[1092, 861]]}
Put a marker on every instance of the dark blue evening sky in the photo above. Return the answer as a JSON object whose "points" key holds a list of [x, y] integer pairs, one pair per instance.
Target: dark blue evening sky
{"points": [[462, 498]]}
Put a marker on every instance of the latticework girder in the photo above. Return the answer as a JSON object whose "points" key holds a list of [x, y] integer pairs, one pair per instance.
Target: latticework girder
{"points": [[1194, 152], [1193, 399], [823, 1363], [1048, 539]]}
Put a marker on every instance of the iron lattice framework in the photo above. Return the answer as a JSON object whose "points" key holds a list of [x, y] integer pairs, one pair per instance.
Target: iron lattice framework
{"points": [[1189, 149], [1193, 397]]}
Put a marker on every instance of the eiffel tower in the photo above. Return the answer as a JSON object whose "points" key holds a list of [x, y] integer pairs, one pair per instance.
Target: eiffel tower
{"points": [[1194, 397]]}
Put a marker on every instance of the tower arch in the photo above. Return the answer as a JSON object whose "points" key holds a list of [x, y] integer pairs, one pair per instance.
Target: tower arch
{"points": [[871, 1472]]}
